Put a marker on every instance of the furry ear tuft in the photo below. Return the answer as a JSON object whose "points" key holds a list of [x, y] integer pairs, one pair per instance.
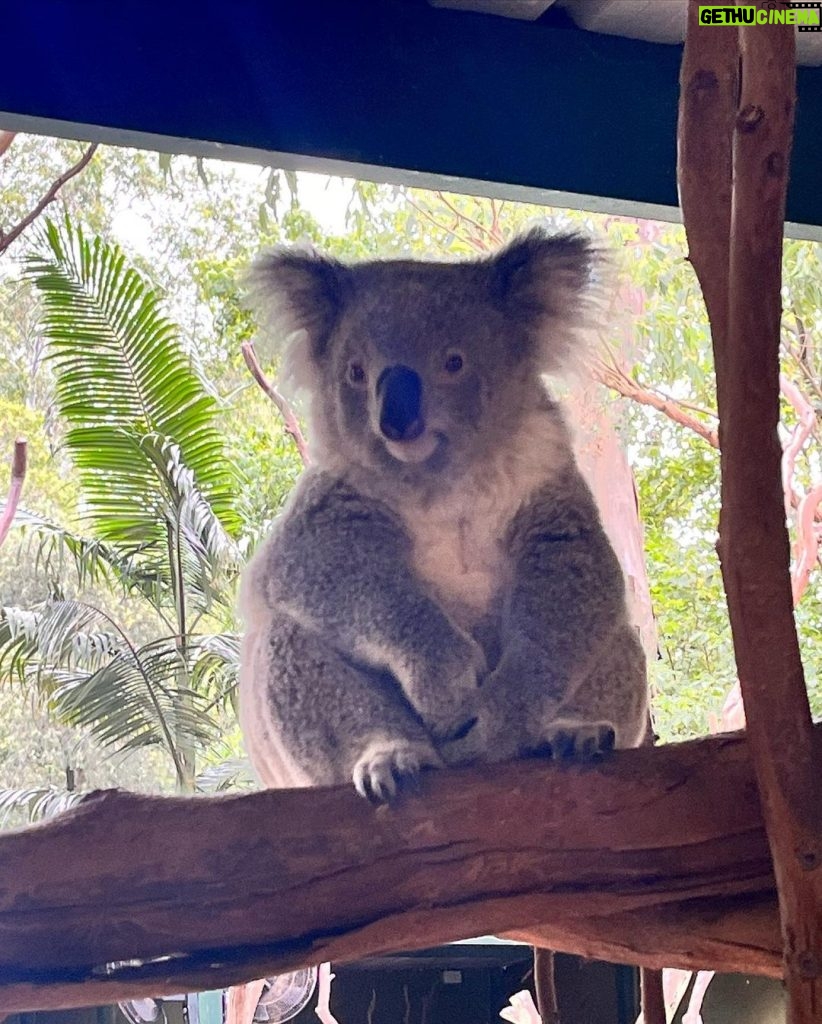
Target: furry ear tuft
{"points": [[545, 282], [297, 295]]}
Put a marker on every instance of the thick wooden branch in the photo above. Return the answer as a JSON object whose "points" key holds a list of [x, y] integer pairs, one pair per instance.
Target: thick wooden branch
{"points": [[734, 213], [655, 856], [754, 549], [708, 82]]}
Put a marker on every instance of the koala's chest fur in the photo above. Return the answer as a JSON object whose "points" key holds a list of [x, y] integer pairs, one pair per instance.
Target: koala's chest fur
{"points": [[459, 538]]}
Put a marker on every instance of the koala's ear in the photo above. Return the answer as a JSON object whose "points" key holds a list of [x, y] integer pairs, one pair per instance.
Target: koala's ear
{"points": [[544, 282], [298, 295]]}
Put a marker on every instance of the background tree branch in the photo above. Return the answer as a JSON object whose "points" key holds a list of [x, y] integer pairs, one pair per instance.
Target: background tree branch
{"points": [[290, 421], [18, 476], [49, 197]]}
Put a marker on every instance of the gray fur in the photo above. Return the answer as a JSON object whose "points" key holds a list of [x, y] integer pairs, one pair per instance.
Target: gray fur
{"points": [[449, 596]]}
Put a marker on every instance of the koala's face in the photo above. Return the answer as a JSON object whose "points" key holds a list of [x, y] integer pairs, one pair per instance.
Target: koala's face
{"points": [[421, 364], [413, 371]]}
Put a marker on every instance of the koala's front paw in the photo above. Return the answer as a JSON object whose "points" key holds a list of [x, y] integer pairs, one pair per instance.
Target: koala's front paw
{"points": [[445, 693], [385, 766], [452, 712], [577, 741]]}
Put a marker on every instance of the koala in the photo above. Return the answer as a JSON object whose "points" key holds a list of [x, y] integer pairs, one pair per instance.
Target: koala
{"points": [[439, 588]]}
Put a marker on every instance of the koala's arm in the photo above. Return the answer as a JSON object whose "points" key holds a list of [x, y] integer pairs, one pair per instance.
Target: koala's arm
{"points": [[567, 596], [340, 564]]}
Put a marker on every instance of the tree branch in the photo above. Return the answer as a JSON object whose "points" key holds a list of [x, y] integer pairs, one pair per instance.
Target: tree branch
{"points": [[323, 1008], [799, 435], [654, 856], [653, 997], [496, 239], [49, 197], [616, 379], [693, 1014], [807, 541], [734, 160], [290, 421], [6, 139], [443, 227]]}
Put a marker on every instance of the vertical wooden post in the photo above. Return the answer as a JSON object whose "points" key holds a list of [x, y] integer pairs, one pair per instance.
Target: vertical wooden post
{"points": [[733, 170], [652, 996], [545, 985]]}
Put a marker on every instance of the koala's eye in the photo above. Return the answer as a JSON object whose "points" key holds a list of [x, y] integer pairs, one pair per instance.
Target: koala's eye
{"points": [[356, 374], [453, 362]]}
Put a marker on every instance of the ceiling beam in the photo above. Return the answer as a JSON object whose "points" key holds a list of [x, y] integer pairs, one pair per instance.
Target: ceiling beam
{"points": [[390, 90]]}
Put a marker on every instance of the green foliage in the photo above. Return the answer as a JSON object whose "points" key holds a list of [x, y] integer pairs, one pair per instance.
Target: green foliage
{"points": [[156, 464], [32, 803], [126, 390], [159, 507], [50, 487]]}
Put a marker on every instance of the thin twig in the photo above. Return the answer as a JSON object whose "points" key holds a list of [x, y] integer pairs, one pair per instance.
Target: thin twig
{"points": [[439, 225], [290, 421], [18, 475], [49, 197], [806, 369], [6, 139], [691, 406], [467, 219]]}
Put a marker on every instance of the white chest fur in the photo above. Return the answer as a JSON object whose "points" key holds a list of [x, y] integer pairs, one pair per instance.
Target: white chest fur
{"points": [[458, 538]]}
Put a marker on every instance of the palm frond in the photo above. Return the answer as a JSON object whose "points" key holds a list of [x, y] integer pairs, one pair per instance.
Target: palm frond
{"points": [[122, 375], [52, 549], [18, 645], [45, 643], [201, 552], [33, 803], [139, 698], [94, 677], [215, 666], [234, 773]]}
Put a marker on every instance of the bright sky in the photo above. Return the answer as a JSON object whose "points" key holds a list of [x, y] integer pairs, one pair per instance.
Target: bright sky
{"points": [[325, 198]]}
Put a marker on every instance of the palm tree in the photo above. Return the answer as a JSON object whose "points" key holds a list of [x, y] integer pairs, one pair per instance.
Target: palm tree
{"points": [[159, 515]]}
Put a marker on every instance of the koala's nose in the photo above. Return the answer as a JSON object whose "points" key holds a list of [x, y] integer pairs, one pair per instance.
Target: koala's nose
{"points": [[399, 390]]}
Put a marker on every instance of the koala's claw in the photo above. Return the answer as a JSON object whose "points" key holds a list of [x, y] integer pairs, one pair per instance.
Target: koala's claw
{"points": [[385, 767], [566, 741]]}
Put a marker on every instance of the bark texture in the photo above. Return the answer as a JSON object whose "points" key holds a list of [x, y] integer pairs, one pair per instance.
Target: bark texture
{"points": [[656, 856], [735, 134]]}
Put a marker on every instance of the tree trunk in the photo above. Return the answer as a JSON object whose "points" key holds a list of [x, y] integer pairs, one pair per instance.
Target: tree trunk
{"points": [[734, 159]]}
